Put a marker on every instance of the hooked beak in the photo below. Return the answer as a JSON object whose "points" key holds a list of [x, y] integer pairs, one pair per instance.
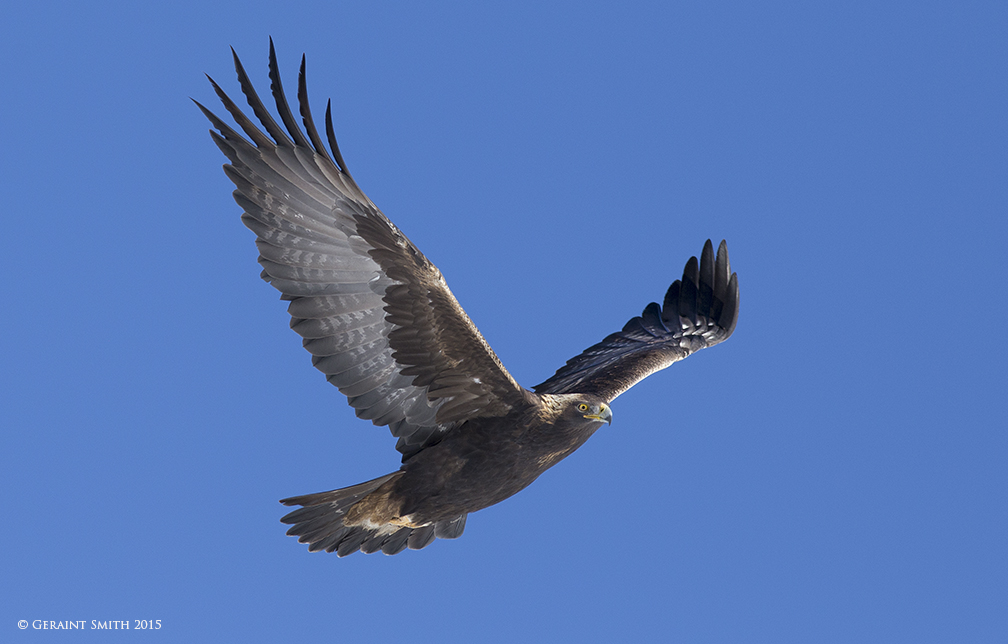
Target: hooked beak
{"points": [[604, 414]]}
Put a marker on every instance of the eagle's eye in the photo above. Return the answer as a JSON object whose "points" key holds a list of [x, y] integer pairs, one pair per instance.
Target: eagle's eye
{"points": [[582, 407]]}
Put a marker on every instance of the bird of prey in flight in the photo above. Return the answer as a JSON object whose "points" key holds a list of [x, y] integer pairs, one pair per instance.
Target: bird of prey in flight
{"points": [[380, 322]]}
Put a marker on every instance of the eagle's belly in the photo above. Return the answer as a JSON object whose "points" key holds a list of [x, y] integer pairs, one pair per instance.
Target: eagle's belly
{"points": [[477, 467]]}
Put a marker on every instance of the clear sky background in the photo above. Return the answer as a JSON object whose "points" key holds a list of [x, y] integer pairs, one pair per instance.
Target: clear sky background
{"points": [[835, 472]]}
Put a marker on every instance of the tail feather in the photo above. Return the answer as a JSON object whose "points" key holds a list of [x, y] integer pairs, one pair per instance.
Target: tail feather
{"points": [[421, 537], [450, 529], [396, 543], [329, 543], [319, 523], [352, 542]]}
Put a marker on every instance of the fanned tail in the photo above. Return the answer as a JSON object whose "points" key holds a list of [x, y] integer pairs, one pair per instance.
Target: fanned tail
{"points": [[319, 523]]}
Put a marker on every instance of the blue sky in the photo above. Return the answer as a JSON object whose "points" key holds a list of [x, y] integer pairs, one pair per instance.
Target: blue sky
{"points": [[835, 472]]}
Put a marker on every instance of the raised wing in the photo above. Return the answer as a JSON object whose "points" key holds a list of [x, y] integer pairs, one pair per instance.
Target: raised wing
{"points": [[698, 312], [376, 315]]}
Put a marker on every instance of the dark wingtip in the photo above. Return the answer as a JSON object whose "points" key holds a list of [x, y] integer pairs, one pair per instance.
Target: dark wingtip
{"points": [[722, 268], [283, 108], [723, 248], [207, 113], [706, 287], [708, 250], [306, 117], [689, 290], [691, 271], [213, 118], [727, 288], [331, 135], [730, 313], [670, 305], [707, 263], [216, 87]]}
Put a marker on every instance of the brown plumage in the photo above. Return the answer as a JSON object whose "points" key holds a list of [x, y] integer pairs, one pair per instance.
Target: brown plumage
{"points": [[381, 323]]}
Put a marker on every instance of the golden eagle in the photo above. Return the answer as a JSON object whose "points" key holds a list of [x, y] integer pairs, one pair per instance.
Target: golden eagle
{"points": [[381, 323]]}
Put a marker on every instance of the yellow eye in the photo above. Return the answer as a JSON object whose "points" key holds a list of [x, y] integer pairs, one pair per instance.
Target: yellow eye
{"points": [[582, 407]]}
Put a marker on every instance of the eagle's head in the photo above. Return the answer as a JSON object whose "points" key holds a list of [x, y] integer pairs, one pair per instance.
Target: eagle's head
{"points": [[579, 408]]}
